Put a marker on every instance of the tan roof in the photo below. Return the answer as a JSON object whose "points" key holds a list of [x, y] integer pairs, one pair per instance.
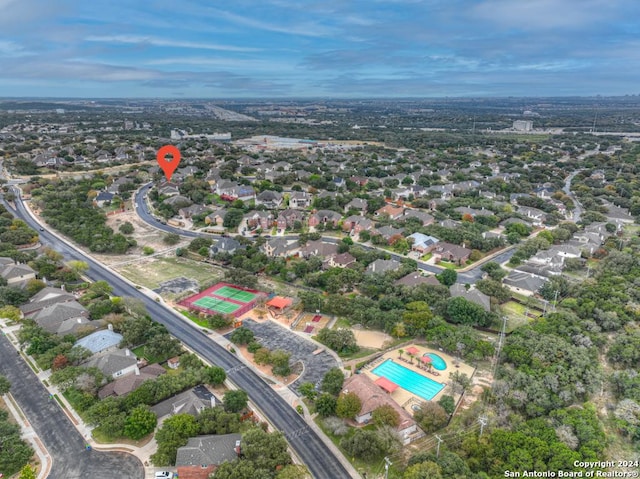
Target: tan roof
{"points": [[372, 397]]}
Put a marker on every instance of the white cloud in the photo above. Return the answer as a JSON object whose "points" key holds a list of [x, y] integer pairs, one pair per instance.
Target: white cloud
{"points": [[162, 42]]}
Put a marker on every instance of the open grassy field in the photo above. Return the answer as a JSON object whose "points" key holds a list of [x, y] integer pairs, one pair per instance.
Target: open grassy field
{"points": [[154, 271], [516, 314]]}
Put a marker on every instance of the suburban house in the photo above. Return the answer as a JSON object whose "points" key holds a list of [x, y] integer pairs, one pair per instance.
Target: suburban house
{"points": [[178, 201], [216, 218], [390, 211], [524, 283], [269, 199], [422, 243], [372, 397], [300, 200], [225, 245], [281, 247], [193, 210], [318, 248], [103, 198], [472, 295], [126, 384], [259, 219], [325, 217], [538, 217], [463, 210], [100, 340], [114, 363], [192, 401], [45, 297], [357, 204], [203, 454], [17, 274], [451, 252], [423, 216], [415, 278], [389, 233], [343, 260], [168, 190], [64, 318], [287, 218], [382, 266], [355, 224], [231, 191]]}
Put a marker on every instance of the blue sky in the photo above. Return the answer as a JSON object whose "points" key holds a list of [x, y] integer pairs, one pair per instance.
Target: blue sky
{"points": [[329, 48]]}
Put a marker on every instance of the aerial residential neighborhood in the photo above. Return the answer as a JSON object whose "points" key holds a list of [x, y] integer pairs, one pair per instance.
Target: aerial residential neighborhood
{"points": [[378, 298]]}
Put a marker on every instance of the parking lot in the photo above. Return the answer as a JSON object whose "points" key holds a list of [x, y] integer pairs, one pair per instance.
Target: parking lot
{"points": [[275, 337]]}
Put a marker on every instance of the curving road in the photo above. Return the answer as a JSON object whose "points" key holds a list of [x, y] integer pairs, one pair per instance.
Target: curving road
{"points": [[62, 440], [320, 460]]}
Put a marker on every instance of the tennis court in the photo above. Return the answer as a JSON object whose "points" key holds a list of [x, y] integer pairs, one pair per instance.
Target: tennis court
{"points": [[235, 294], [223, 298], [218, 305]]}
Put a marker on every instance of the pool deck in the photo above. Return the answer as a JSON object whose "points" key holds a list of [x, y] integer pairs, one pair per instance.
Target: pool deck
{"points": [[403, 397]]}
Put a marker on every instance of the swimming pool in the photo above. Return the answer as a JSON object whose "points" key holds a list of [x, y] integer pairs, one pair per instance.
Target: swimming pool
{"points": [[409, 380], [436, 361]]}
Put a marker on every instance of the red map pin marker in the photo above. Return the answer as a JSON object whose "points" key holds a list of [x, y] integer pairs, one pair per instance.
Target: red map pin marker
{"points": [[168, 165]]}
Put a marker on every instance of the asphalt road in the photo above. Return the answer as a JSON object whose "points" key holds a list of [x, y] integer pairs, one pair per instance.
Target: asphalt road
{"points": [[305, 442], [577, 207], [63, 441]]}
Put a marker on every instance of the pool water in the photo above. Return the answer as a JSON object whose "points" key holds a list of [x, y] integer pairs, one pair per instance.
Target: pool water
{"points": [[436, 361], [409, 380]]}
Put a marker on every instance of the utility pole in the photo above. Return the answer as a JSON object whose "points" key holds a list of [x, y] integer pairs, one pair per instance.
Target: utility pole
{"points": [[438, 449], [387, 463], [483, 422], [555, 299]]}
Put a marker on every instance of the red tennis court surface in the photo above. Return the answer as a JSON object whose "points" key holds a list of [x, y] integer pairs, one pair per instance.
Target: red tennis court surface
{"points": [[223, 298], [308, 329], [316, 318]]}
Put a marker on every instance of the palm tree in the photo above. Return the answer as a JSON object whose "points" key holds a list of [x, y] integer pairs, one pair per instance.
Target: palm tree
{"points": [[410, 357], [400, 353]]}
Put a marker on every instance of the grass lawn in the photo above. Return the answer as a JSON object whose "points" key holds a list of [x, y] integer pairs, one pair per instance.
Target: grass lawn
{"points": [[140, 353], [448, 265], [157, 270], [199, 321], [516, 314], [361, 353], [342, 323], [427, 257]]}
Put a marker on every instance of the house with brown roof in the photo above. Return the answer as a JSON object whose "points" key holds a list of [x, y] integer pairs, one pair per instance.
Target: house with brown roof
{"points": [[325, 217], [126, 384], [355, 224], [372, 397], [390, 211], [415, 278], [259, 219], [287, 218], [451, 252]]}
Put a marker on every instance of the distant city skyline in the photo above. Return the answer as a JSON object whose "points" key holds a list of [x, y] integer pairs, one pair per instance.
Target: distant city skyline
{"points": [[329, 48]]}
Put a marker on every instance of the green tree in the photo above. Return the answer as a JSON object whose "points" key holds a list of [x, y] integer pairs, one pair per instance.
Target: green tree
{"points": [[431, 416], [5, 385], [280, 362], [326, 405], [364, 444], [233, 218], [140, 422], [417, 318], [308, 390], [215, 375], [332, 381], [235, 401], [126, 228], [174, 433], [10, 312], [348, 405], [171, 239], [385, 415], [447, 277], [423, 470], [27, 472], [341, 340], [461, 311], [242, 336], [448, 404], [78, 267], [265, 450]]}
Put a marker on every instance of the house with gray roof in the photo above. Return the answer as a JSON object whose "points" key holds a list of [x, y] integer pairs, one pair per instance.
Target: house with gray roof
{"points": [[422, 243], [100, 341], [524, 283], [130, 382], [270, 199], [281, 247], [471, 294], [318, 248], [45, 297], [415, 278], [383, 266], [388, 232], [17, 274], [192, 401], [114, 363], [423, 216], [64, 318], [225, 245], [203, 454]]}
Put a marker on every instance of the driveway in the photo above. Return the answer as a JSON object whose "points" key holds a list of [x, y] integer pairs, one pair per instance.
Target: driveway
{"points": [[275, 337], [63, 441]]}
